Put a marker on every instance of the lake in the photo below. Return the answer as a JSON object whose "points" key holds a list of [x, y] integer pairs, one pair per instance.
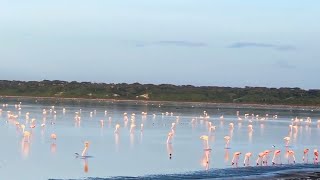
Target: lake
{"points": [[146, 153]]}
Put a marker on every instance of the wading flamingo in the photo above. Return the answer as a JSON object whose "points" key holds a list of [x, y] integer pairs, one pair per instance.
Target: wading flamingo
{"points": [[266, 156], [316, 156], [276, 157], [53, 137], [291, 156], [287, 140], [305, 155], [26, 136], [132, 126], [246, 161], [169, 139], [206, 140], [173, 127], [86, 146], [260, 158], [227, 139], [231, 126], [235, 158], [117, 128]]}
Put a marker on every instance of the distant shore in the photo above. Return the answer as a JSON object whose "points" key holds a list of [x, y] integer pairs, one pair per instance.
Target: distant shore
{"points": [[183, 103], [235, 96]]}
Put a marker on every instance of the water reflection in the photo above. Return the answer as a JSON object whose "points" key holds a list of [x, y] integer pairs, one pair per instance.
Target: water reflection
{"points": [[53, 147], [141, 137], [250, 136], [169, 150], [205, 160], [85, 165], [116, 140], [226, 155], [132, 139], [25, 148]]}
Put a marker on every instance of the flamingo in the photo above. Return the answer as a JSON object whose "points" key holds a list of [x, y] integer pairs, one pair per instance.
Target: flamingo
{"points": [[141, 127], [205, 139], [212, 128], [33, 124], [235, 158], [266, 156], [101, 122], [117, 128], [247, 159], [173, 126], [250, 128], [227, 139], [305, 155], [169, 139], [287, 140], [231, 125], [316, 156], [26, 135], [53, 137], [86, 146], [291, 156], [132, 126], [276, 155], [260, 158]]}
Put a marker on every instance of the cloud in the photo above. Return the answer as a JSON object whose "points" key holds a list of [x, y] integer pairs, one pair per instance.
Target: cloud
{"points": [[262, 45], [172, 43], [284, 64]]}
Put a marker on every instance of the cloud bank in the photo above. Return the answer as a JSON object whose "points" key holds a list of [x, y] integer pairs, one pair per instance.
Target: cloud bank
{"points": [[262, 45], [172, 43]]}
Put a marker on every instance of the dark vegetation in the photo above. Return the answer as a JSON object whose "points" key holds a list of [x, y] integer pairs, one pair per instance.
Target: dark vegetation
{"points": [[162, 92]]}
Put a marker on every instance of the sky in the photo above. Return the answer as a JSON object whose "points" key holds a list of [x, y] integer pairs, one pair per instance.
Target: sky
{"points": [[232, 43]]}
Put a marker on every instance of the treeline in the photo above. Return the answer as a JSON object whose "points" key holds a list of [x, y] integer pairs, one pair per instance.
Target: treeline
{"points": [[162, 92]]}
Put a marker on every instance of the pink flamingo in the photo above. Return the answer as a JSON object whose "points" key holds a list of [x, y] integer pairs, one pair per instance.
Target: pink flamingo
{"points": [[235, 158], [305, 155], [173, 127], [53, 137], [227, 139], [276, 156], [246, 161], [86, 146], [169, 139], [291, 156], [316, 156], [287, 140], [260, 158], [205, 139], [231, 126], [266, 156], [117, 128], [132, 128]]}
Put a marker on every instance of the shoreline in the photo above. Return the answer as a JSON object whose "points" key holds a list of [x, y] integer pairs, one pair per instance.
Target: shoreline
{"points": [[204, 104]]}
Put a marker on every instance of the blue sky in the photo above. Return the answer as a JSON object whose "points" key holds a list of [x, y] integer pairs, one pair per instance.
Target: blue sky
{"points": [[200, 42]]}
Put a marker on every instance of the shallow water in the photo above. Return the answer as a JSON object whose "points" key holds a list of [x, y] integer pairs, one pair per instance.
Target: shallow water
{"points": [[146, 154]]}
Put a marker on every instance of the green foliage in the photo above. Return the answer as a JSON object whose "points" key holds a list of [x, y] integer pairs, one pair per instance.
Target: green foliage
{"points": [[162, 92]]}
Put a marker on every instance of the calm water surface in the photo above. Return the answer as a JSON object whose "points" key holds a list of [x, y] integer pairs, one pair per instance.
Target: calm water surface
{"points": [[141, 153]]}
